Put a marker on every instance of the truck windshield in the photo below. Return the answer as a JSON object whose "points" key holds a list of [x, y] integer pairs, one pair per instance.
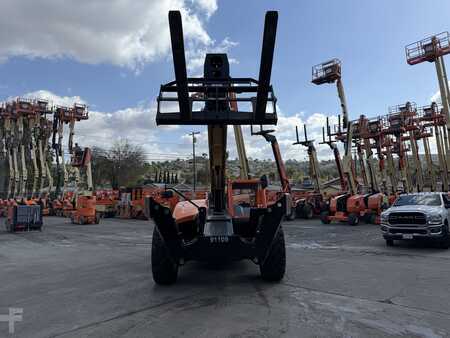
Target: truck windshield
{"points": [[431, 200]]}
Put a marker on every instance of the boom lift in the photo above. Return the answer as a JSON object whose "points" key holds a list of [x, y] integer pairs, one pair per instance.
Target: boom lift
{"points": [[8, 125], [350, 206], [13, 127], [433, 49], [401, 121], [40, 108], [365, 130], [65, 115], [433, 117], [284, 181], [23, 110], [209, 230], [330, 72], [337, 157], [312, 155], [310, 202], [85, 211], [44, 133]]}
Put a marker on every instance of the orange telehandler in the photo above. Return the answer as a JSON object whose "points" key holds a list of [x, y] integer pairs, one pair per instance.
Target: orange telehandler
{"points": [[213, 229]]}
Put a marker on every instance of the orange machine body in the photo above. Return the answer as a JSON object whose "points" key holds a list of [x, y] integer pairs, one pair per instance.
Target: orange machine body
{"points": [[85, 212]]}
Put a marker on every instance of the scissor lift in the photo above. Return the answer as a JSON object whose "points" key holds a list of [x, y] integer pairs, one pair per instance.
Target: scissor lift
{"points": [[433, 49], [206, 230]]}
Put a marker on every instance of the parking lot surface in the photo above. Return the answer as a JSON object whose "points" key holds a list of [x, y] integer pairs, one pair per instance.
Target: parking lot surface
{"points": [[341, 281]]}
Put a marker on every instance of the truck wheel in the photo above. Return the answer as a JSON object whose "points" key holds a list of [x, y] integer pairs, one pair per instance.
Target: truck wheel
{"points": [[353, 219], [81, 220], [164, 269], [8, 226], [324, 217], [274, 267], [291, 216], [97, 218], [308, 211], [444, 242], [299, 211], [389, 242]]}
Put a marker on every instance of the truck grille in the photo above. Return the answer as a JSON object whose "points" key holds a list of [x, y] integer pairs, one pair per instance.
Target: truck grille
{"points": [[407, 218], [408, 231]]}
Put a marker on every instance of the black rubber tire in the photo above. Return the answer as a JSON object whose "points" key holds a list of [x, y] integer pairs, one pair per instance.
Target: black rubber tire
{"points": [[97, 218], [324, 217], [308, 211], [389, 242], [299, 211], [367, 216], [274, 266], [291, 216], [444, 242], [353, 219], [164, 269], [8, 226], [372, 218]]}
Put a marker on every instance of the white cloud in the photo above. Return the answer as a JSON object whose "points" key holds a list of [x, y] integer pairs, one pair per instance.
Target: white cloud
{"points": [[168, 142], [126, 33], [54, 99], [436, 97], [209, 6], [102, 128]]}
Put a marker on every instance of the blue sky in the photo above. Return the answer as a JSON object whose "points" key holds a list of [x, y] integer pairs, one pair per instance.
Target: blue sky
{"points": [[79, 57]]}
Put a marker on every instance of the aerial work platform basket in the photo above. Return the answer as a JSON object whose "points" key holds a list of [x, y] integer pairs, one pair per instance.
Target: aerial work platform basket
{"points": [[326, 72], [428, 49]]}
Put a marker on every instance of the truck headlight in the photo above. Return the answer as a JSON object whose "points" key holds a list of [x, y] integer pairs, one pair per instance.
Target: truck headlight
{"points": [[434, 219], [384, 218]]}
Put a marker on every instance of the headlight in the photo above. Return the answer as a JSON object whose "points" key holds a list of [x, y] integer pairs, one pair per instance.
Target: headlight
{"points": [[384, 218], [434, 219]]}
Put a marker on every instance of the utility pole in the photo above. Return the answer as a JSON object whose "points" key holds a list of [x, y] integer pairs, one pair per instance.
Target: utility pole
{"points": [[193, 157]]}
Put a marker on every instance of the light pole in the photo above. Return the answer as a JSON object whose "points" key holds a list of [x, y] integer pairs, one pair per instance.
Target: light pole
{"points": [[193, 157]]}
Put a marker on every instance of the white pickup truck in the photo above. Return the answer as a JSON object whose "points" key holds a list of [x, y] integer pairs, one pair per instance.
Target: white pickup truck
{"points": [[418, 215]]}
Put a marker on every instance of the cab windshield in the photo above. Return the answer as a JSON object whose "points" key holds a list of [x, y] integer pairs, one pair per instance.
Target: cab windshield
{"points": [[431, 200]]}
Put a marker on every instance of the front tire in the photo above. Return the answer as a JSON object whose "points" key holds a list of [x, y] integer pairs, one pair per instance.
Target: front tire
{"points": [[164, 269], [389, 242], [274, 267], [324, 217], [308, 211], [353, 219], [444, 242]]}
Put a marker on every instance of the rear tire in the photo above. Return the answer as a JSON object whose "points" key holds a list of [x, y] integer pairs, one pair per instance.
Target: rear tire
{"points": [[291, 216], [308, 211], [274, 266], [324, 217], [164, 269], [389, 242], [97, 218], [353, 219]]}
